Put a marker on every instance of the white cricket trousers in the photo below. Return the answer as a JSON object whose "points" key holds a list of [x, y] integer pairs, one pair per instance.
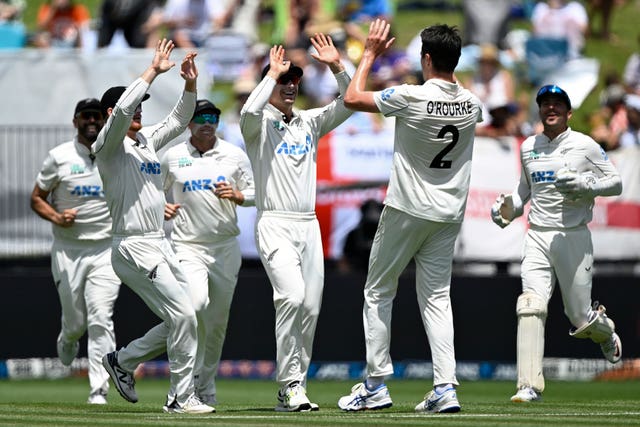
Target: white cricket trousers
{"points": [[212, 269], [565, 255], [399, 238], [290, 248], [88, 288], [148, 265]]}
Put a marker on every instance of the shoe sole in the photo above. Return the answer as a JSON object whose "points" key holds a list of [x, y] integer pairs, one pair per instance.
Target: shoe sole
{"points": [[114, 379], [515, 399], [369, 408], [305, 407]]}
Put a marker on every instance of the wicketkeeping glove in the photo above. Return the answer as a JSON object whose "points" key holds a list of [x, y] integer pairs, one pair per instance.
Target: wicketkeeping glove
{"points": [[573, 185], [502, 210]]}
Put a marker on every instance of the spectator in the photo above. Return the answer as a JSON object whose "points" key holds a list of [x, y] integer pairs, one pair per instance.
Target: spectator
{"points": [[603, 8], [631, 136], [61, 23], [190, 22], [11, 10], [610, 121], [486, 21], [562, 20], [240, 16], [495, 87], [357, 246], [132, 18], [631, 74], [229, 128]]}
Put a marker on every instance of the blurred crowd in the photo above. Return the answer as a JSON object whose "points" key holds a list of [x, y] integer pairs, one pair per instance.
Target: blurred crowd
{"points": [[501, 65]]}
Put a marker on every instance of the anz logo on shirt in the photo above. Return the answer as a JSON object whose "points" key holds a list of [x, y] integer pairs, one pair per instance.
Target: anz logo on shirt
{"points": [[285, 148], [543, 176], [150, 168], [87, 191], [198, 185]]}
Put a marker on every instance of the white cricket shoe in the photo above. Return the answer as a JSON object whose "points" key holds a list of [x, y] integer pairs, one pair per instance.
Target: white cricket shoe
{"points": [[440, 403], [362, 398], [293, 398], [67, 351], [209, 399], [612, 348], [526, 394], [97, 398], [123, 380], [193, 405]]}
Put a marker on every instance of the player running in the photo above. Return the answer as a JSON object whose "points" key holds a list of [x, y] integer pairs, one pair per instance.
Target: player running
{"points": [[562, 172], [424, 208]]}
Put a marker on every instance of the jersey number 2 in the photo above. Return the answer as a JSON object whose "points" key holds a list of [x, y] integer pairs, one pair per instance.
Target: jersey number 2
{"points": [[438, 161]]}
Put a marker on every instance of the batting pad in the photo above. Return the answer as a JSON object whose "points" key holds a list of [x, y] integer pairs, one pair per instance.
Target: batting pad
{"points": [[532, 314], [599, 329]]}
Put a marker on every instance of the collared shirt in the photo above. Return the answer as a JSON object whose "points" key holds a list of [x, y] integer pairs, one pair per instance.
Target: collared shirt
{"points": [[541, 159], [189, 178], [283, 155], [433, 146], [130, 170], [71, 177]]}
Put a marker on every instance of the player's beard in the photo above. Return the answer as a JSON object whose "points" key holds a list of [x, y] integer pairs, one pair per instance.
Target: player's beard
{"points": [[136, 124], [90, 131]]}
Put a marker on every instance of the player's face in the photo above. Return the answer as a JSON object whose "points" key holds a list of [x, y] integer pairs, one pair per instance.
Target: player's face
{"points": [[204, 126], [89, 124], [285, 92], [554, 112]]}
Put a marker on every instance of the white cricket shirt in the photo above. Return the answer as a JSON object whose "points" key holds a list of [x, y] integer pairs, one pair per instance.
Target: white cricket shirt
{"points": [[541, 159], [283, 155], [130, 170], [433, 146], [72, 179], [189, 177]]}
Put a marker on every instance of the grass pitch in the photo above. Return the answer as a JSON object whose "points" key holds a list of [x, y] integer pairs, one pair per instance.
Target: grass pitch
{"points": [[251, 402]]}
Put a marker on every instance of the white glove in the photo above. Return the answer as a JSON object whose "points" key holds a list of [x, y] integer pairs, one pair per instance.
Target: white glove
{"points": [[573, 185], [502, 210]]}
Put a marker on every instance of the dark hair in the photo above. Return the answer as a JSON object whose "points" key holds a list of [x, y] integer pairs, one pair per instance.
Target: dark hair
{"points": [[444, 45]]}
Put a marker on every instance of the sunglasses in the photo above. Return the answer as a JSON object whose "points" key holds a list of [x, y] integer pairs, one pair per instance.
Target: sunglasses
{"points": [[289, 78], [205, 118], [88, 115]]}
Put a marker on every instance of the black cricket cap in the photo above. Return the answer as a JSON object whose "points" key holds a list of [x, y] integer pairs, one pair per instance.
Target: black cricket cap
{"points": [[293, 69], [88, 104], [112, 95], [203, 105]]}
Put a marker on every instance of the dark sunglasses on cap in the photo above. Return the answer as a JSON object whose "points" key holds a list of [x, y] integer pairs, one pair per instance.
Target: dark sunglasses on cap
{"points": [[205, 118], [289, 78], [88, 115]]}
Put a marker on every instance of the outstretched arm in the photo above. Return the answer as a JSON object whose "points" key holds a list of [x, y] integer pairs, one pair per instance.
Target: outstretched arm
{"points": [[327, 53], [161, 62], [357, 98]]}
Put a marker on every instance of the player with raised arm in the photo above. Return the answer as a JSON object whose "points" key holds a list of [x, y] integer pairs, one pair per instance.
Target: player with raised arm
{"points": [[282, 144], [141, 255], [423, 212], [562, 172], [206, 178], [69, 193]]}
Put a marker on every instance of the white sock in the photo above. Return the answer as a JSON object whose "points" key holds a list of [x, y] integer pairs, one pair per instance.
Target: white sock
{"points": [[442, 387], [373, 382]]}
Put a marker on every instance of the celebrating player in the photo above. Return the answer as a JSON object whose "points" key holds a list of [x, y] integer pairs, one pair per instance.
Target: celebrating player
{"points": [[142, 257], [282, 145], [423, 211], [206, 178], [562, 172], [81, 251]]}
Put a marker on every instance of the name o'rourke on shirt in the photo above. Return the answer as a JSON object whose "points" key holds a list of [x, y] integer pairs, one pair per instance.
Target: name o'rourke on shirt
{"points": [[450, 109]]}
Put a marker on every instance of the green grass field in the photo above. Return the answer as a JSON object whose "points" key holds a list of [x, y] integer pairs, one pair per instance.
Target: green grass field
{"points": [[250, 403]]}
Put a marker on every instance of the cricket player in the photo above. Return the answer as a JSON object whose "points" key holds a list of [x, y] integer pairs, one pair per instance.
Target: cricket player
{"points": [[423, 212], [81, 251], [141, 255], [206, 177], [562, 172], [282, 143]]}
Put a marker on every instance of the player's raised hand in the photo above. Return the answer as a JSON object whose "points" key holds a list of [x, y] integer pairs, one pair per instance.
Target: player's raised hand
{"points": [[326, 51], [188, 69], [378, 38], [161, 62], [277, 64]]}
